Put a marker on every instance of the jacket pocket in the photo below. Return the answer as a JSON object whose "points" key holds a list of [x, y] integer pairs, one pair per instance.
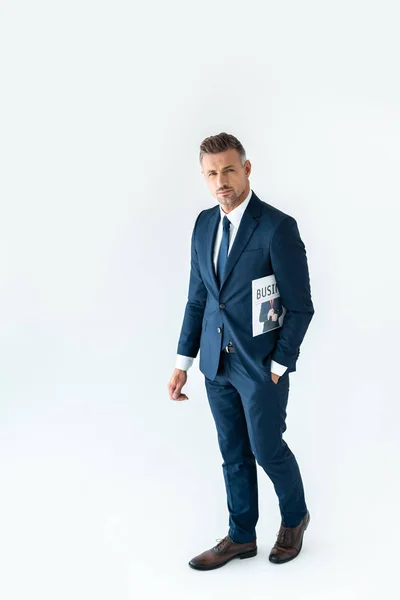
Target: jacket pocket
{"points": [[253, 249]]}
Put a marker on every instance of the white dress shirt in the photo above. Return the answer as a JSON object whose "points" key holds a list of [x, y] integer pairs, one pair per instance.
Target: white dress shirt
{"points": [[235, 216]]}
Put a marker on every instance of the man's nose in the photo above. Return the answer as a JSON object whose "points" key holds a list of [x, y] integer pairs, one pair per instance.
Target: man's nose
{"points": [[222, 183]]}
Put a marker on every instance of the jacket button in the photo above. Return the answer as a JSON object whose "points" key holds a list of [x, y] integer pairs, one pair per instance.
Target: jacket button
{"points": [[219, 329], [222, 305]]}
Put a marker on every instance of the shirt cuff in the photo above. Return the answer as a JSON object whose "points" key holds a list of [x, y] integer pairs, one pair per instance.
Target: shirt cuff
{"points": [[183, 362], [277, 368]]}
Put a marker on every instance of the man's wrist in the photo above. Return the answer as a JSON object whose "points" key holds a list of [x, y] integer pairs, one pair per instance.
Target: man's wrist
{"points": [[183, 363], [277, 368]]}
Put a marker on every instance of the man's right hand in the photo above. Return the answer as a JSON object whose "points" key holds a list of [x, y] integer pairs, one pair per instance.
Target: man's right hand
{"points": [[176, 383]]}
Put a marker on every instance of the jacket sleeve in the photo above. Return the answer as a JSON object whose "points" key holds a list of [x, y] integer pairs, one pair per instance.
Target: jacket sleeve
{"points": [[189, 339], [289, 263]]}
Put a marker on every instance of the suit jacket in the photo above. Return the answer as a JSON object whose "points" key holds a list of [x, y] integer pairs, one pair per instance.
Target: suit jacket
{"points": [[267, 242]]}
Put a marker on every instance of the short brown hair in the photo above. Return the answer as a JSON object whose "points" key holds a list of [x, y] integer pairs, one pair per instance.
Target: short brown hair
{"points": [[219, 143]]}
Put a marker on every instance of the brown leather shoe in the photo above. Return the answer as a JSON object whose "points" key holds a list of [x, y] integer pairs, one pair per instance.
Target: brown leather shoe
{"points": [[289, 541], [223, 552]]}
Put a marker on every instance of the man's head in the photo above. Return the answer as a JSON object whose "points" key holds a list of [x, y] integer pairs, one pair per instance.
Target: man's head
{"points": [[225, 167]]}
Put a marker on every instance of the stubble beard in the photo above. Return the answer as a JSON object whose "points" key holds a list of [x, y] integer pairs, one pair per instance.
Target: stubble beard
{"points": [[229, 200]]}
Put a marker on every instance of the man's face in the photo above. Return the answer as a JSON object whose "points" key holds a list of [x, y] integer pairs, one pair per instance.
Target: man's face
{"points": [[224, 171]]}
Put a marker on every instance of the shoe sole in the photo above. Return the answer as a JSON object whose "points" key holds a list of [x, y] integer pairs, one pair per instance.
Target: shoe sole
{"points": [[285, 560], [248, 554]]}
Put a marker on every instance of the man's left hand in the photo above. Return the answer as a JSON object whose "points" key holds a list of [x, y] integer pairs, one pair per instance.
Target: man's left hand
{"points": [[274, 377]]}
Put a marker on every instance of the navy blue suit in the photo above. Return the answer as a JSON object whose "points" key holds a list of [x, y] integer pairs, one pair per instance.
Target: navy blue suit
{"points": [[249, 409]]}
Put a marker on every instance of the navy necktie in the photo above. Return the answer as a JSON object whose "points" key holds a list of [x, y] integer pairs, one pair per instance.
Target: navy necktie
{"points": [[223, 249]]}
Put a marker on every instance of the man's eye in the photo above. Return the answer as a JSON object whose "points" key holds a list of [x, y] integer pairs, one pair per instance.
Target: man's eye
{"points": [[210, 174]]}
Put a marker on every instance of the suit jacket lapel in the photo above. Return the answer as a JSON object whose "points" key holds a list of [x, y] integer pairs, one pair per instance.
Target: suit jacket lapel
{"points": [[211, 233]]}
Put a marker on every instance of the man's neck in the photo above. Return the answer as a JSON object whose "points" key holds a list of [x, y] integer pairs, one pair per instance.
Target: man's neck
{"points": [[244, 196]]}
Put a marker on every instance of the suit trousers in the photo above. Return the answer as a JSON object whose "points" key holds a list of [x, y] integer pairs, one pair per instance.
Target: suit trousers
{"points": [[250, 420]]}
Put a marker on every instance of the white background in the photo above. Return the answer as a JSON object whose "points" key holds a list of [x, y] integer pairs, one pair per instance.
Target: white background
{"points": [[107, 487]]}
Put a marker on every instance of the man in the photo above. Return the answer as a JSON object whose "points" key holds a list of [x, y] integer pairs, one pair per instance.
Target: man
{"points": [[241, 251], [270, 313]]}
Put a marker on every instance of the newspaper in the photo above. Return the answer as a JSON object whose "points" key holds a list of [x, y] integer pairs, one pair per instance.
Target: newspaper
{"points": [[267, 310]]}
